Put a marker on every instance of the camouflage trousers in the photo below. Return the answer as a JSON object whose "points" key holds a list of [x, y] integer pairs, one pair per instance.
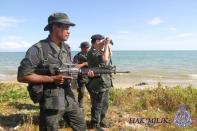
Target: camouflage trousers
{"points": [[99, 108], [49, 118], [81, 91]]}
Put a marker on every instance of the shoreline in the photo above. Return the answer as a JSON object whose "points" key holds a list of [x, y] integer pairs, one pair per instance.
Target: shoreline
{"points": [[127, 81], [121, 81]]}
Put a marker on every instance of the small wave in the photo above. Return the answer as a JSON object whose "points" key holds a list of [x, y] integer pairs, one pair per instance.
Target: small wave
{"points": [[2, 75], [7, 77], [193, 76]]}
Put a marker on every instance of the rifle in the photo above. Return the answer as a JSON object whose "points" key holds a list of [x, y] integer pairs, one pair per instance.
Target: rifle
{"points": [[74, 71]]}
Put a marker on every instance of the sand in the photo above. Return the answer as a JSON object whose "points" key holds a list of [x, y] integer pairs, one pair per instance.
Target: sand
{"points": [[124, 81]]}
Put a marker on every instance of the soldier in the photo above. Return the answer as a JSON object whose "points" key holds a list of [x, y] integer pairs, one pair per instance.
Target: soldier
{"points": [[99, 56], [81, 59], [56, 99]]}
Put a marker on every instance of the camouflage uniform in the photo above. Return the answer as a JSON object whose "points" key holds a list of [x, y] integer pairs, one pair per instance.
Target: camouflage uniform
{"points": [[99, 87], [82, 81], [57, 101]]}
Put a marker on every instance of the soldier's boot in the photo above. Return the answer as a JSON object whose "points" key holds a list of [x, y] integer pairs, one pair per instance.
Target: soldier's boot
{"points": [[95, 126], [105, 124], [51, 128], [62, 123]]}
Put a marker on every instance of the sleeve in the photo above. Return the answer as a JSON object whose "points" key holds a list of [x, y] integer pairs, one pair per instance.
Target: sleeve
{"points": [[29, 63], [75, 59]]}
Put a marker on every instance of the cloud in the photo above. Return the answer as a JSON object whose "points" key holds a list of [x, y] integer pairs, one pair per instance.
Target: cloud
{"points": [[14, 44], [184, 35], [155, 21], [6, 22]]}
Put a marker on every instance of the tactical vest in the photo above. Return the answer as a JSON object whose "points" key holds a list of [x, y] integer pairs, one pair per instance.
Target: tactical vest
{"points": [[104, 81], [81, 58], [51, 96]]}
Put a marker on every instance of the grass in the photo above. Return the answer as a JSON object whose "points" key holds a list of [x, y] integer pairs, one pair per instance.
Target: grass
{"points": [[164, 98], [158, 102], [12, 92], [17, 110]]}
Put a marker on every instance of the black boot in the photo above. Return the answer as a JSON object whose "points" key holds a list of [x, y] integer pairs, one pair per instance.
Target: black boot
{"points": [[95, 126], [105, 124]]}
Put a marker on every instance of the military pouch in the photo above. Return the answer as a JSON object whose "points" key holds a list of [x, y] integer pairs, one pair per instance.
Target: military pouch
{"points": [[54, 99], [107, 81], [35, 92]]}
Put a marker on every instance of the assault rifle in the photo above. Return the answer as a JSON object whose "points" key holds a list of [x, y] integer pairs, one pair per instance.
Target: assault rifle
{"points": [[74, 71], [36, 90]]}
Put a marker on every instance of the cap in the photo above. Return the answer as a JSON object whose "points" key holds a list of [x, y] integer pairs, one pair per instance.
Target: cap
{"points": [[84, 44], [58, 18], [97, 37]]}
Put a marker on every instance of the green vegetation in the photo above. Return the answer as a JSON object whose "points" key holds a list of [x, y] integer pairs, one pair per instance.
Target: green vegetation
{"points": [[161, 102], [12, 92], [156, 103], [165, 98]]}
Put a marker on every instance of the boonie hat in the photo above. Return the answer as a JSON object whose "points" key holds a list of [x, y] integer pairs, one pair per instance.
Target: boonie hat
{"points": [[58, 18], [97, 37], [84, 44]]}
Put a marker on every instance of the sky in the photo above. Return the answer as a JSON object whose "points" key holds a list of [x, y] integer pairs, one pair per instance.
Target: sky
{"points": [[131, 24]]}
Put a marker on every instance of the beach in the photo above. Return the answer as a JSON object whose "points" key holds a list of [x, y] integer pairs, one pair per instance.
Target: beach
{"points": [[124, 81]]}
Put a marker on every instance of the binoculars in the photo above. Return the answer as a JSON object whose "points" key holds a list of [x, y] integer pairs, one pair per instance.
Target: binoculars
{"points": [[111, 42]]}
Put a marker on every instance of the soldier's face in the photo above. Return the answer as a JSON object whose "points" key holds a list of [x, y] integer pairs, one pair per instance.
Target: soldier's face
{"points": [[100, 44], [63, 32], [85, 50]]}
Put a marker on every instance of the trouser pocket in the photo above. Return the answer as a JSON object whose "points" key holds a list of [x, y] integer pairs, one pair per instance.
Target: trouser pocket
{"points": [[54, 99]]}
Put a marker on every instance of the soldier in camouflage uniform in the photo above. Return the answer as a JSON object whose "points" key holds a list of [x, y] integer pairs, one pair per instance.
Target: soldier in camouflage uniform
{"points": [[99, 56], [81, 60], [56, 98]]}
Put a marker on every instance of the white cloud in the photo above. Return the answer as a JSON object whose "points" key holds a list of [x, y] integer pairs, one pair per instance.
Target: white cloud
{"points": [[184, 35], [155, 21], [6, 22], [14, 44]]}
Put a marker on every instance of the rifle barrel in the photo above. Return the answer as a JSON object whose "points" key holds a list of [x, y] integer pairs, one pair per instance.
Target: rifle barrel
{"points": [[122, 72]]}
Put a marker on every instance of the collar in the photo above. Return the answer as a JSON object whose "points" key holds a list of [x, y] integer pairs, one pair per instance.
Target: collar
{"points": [[55, 47]]}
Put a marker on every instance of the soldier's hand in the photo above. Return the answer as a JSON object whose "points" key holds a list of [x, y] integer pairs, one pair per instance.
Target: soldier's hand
{"points": [[59, 79], [107, 41], [81, 65], [85, 63], [90, 73]]}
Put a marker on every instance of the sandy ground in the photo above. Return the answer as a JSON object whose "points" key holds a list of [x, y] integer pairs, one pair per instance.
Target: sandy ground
{"points": [[126, 81]]}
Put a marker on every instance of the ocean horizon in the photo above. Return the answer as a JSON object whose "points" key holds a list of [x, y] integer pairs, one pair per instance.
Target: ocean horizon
{"points": [[141, 63]]}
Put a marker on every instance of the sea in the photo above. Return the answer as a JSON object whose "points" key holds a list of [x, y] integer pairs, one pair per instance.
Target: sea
{"points": [[170, 65]]}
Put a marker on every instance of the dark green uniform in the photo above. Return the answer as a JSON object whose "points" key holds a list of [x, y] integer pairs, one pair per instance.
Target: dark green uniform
{"points": [[82, 81], [99, 87], [57, 100]]}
